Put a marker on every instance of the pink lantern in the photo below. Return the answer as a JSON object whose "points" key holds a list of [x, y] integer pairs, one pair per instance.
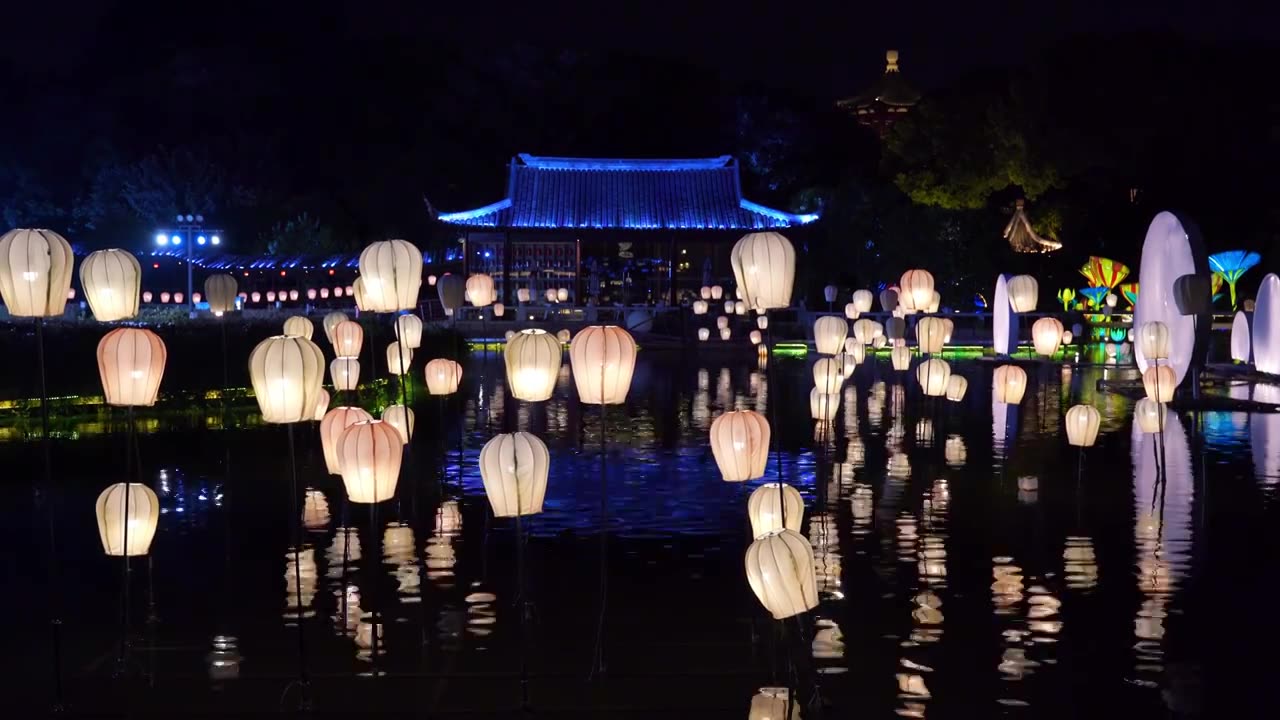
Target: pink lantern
{"points": [[242, 295], [271, 296], [256, 296], [164, 297], [293, 295], [196, 297], [178, 298], [324, 293], [146, 296], [351, 290], [311, 293], [337, 292]]}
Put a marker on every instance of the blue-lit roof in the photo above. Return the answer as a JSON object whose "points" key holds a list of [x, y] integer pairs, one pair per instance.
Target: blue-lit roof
{"points": [[225, 261], [588, 193]]}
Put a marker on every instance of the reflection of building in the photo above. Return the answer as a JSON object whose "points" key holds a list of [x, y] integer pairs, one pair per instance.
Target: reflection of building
{"points": [[623, 230], [886, 102]]}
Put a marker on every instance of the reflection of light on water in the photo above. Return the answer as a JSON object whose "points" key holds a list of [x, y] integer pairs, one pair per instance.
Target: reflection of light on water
{"points": [[924, 432], [344, 540], [315, 510], [347, 617], [875, 404], [398, 547], [482, 614], [1080, 565], [724, 390], [1264, 436], [955, 453], [224, 659], [301, 577], [899, 466], [364, 638], [850, 411], [701, 410], [441, 558], [862, 504], [770, 703]]}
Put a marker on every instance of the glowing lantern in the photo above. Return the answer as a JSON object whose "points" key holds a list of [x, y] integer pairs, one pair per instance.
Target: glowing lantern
{"points": [[391, 275], [823, 406], [1067, 337], [725, 333], [829, 293], [564, 336], [35, 272], [451, 290], [533, 360], [1159, 381], [765, 506], [829, 333], [729, 307], [1149, 415], [700, 307], [331, 427], [827, 377], [1111, 300], [299, 325], [330, 324], [409, 331], [134, 517], [369, 455], [862, 300], [864, 330], [1046, 335], [1110, 350], [311, 293], [771, 703], [1240, 338], [351, 290], [1153, 340], [508, 335], [755, 337], [399, 358], [762, 322], [851, 311], [322, 405], [1008, 384], [764, 266], [740, 444], [957, 386], [480, 290], [324, 293], [400, 418], [705, 292], [900, 357], [722, 322], [879, 341], [131, 364], [551, 295], [344, 372], [704, 334], [562, 295], [164, 297], [603, 359], [1024, 293], [178, 297], [431, 280], [847, 364], [286, 372], [780, 571], [443, 376], [514, 468], [931, 334], [499, 309], [855, 350], [739, 308], [111, 281], [146, 296], [348, 338], [522, 295], [1082, 425], [717, 292], [933, 375], [917, 289], [255, 296], [293, 295]]}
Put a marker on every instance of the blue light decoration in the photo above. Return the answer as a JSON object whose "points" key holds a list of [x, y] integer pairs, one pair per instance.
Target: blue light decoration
{"points": [[162, 239], [176, 239], [979, 301], [1096, 295], [1231, 264], [200, 240], [215, 240]]}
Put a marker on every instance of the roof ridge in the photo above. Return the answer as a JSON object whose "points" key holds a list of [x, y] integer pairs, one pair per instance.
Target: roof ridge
{"points": [[539, 162]]}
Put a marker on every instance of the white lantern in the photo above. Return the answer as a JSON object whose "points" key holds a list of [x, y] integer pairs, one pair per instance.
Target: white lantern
{"points": [[879, 341], [564, 336], [401, 418], [740, 444], [300, 326], [322, 405], [1110, 350], [220, 290], [764, 267], [900, 356], [344, 372], [705, 292], [311, 293], [111, 281], [823, 406], [390, 275], [1046, 334], [1067, 337], [957, 386], [409, 330], [293, 295], [700, 307], [431, 280], [603, 358], [443, 376], [324, 293], [1082, 425], [933, 375], [1159, 382], [1153, 340], [765, 506], [917, 289], [271, 296], [286, 372], [506, 336], [780, 571], [862, 300], [499, 309], [851, 311], [855, 350], [827, 377], [522, 295], [1024, 293], [255, 296], [889, 299], [829, 293], [704, 334], [35, 272], [135, 517], [931, 333], [864, 330], [131, 364], [729, 307], [347, 338], [847, 364], [164, 297], [514, 468], [762, 322], [480, 290], [1008, 384], [717, 292], [771, 703], [755, 337], [551, 295], [331, 426], [533, 360], [399, 358], [725, 333], [1112, 300], [178, 297], [562, 295], [1149, 415], [740, 308], [369, 455], [722, 322], [829, 333], [935, 301]]}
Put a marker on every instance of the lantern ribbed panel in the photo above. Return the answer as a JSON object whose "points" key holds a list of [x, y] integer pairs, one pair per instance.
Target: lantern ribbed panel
{"points": [[533, 360], [111, 280], [401, 418], [933, 375], [344, 372], [452, 290], [764, 267], [829, 333], [287, 372], [771, 703], [1024, 293], [348, 338], [1082, 425], [931, 334], [331, 427], [514, 468], [369, 455], [764, 509], [330, 322], [357, 293], [399, 358], [131, 363], [480, 290], [740, 444], [322, 405], [220, 293], [1008, 384], [1046, 336], [780, 573], [603, 358], [300, 326], [957, 386], [443, 376], [392, 275], [900, 356], [35, 272], [141, 513]]}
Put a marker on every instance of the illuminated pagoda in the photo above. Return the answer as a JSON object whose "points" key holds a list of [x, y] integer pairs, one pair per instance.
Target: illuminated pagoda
{"points": [[888, 101], [629, 231]]}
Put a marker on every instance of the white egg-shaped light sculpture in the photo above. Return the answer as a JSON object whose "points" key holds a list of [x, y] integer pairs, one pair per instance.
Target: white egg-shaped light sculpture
{"points": [[35, 272], [300, 326], [514, 468], [451, 290], [1004, 321], [1082, 423], [112, 280], [1149, 415], [780, 571], [1024, 293], [704, 334], [827, 375], [740, 445], [391, 272], [829, 333], [1008, 384], [220, 291], [705, 292], [480, 290], [131, 510], [1046, 336], [332, 424], [765, 509], [286, 372], [855, 350], [369, 456], [740, 307], [957, 386], [764, 267], [1067, 337], [1240, 344], [931, 334], [131, 363], [409, 330], [562, 295], [1170, 251], [862, 300], [533, 358], [603, 358], [900, 357], [933, 375], [823, 406], [443, 376], [344, 372], [1159, 382], [399, 358], [1152, 338]]}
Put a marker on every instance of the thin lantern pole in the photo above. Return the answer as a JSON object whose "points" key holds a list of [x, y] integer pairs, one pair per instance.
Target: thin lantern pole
{"points": [[773, 407], [123, 659], [599, 663], [304, 681], [522, 600], [55, 614]]}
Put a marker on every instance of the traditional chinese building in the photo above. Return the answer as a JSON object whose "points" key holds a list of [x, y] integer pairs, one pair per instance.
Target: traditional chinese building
{"points": [[630, 231], [888, 101]]}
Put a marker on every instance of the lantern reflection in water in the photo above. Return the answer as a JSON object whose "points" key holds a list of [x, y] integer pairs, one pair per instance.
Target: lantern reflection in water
{"points": [[300, 584]]}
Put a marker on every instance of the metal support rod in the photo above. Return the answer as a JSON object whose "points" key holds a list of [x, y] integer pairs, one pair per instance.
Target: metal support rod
{"points": [[123, 660], [54, 600], [296, 525], [599, 664]]}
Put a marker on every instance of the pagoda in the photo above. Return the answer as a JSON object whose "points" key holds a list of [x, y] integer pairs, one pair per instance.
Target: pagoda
{"points": [[888, 101]]}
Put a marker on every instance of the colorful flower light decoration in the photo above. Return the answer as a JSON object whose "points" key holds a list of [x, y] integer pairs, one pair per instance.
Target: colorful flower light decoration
{"points": [[1231, 265]]}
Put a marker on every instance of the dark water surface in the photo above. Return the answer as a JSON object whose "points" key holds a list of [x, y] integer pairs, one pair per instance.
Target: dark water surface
{"points": [[970, 563]]}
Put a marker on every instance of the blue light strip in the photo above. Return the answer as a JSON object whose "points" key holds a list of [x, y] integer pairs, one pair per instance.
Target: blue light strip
{"points": [[465, 215], [563, 163], [778, 214]]}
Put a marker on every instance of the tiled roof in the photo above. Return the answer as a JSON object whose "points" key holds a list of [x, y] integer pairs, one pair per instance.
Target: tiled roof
{"points": [[546, 192]]}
